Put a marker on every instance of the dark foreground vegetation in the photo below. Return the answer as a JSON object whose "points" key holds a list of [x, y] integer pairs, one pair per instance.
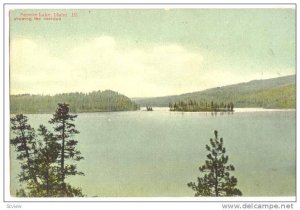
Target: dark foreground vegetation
{"points": [[97, 101], [215, 179], [47, 158]]}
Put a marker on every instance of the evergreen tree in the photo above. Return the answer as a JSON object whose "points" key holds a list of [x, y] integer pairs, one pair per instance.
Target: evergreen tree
{"points": [[216, 179], [231, 106], [41, 158], [64, 132], [23, 139], [48, 170]]}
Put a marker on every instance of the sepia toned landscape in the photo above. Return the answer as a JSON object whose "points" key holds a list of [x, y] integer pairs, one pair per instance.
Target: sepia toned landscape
{"points": [[166, 102]]}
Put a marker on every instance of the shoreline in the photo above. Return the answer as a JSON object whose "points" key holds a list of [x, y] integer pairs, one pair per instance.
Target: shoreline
{"points": [[166, 109]]}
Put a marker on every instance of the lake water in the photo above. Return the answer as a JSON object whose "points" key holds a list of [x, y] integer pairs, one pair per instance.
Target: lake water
{"points": [[157, 153]]}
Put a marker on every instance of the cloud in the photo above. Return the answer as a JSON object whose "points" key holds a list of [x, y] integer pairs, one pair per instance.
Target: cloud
{"points": [[101, 63], [106, 63], [33, 69]]}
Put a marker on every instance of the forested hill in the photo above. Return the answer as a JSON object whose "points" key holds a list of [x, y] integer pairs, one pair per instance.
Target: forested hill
{"points": [[270, 93], [97, 101]]}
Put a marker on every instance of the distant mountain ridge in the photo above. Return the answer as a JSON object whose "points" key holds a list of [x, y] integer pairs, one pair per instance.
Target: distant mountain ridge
{"points": [[269, 93]]}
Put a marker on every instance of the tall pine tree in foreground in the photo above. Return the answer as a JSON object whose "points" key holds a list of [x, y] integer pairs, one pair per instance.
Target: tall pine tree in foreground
{"points": [[23, 139], [64, 132], [48, 169], [216, 179], [46, 158]]}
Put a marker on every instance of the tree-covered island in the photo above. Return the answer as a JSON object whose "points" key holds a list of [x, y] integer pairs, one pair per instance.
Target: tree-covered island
{"points": [[201, 106]]}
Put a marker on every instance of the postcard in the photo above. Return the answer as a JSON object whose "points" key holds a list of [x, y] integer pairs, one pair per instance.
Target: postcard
{"points": [[151, 102]]}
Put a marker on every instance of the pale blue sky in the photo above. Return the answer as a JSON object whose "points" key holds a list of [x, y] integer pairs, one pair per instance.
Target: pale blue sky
{"points": [[142, 52]]}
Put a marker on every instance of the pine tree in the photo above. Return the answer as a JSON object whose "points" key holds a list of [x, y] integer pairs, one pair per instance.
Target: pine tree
{"points": [[48, 170], [64, 132], [26, 146], [216, 179], [41, 158]]}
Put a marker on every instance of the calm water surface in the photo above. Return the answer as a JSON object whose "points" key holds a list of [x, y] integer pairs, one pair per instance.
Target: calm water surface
{"points": [[157, 153]]}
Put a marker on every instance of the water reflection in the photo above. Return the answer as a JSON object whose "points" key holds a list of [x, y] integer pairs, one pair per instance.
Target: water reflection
{"points": [[221, 113]]}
